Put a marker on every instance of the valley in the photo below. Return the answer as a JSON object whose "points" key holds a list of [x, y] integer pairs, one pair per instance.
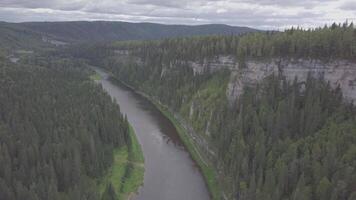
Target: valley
{"points": [[176, 112]]}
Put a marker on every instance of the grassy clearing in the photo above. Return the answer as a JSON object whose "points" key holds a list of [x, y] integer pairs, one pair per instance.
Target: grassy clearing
{"points": [[95, 77], [207, 170], [117, 171], [127, 171], [136, 160]]}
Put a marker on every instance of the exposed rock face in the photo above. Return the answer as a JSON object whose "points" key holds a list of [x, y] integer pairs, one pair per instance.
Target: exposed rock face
{"points": [[220, 62], [339, 72], [191, 110], [207, 127]]}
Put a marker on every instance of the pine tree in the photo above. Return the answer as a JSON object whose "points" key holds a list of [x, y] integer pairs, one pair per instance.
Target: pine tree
{"points": [[109, 193]]}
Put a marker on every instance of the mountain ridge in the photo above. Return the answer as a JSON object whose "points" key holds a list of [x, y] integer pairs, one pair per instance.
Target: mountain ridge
{"points": [[101, 31]]}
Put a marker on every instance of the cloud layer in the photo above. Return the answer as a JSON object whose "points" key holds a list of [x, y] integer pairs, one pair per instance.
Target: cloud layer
{"points": [[263, 14]]}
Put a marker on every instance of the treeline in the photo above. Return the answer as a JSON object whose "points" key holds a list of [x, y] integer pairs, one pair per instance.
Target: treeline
{"points": [[329, 42], [58, 131], [337, 41]]}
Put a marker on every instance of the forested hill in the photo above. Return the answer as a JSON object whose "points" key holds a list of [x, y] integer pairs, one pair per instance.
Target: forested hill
{"points": [[83, 31], [18, 37], [58, 131], [335, 42]]}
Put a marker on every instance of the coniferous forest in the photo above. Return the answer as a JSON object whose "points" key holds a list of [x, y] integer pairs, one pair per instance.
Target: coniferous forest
{"points": [[280, 139], [58, 130], [336, 41]]}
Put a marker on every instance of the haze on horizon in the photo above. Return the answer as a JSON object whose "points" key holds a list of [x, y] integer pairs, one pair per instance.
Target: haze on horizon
{"points": [[262, 14]]}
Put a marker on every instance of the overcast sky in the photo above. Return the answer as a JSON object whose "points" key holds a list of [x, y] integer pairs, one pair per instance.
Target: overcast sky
{"points": [[263, 14]]}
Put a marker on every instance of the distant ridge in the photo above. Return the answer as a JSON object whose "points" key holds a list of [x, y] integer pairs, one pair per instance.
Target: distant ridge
{"points": [[98, 31]]}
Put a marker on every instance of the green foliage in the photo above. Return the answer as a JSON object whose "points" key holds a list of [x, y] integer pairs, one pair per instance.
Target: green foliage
{"points": [[109, 193], [114, 175], [58, 131], [323, 190], [14, 37], [127, 171], [95, 77], [338, 41], [292, 140]]}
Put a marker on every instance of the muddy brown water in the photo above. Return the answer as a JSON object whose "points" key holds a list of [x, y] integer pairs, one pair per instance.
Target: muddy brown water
{"points": [[170, 172]]}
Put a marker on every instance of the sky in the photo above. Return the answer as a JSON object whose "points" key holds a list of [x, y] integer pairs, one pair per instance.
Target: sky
{"points": [[261, 14]]}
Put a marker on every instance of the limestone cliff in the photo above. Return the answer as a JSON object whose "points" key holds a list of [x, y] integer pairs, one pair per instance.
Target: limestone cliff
{"points": [[340, 73]]}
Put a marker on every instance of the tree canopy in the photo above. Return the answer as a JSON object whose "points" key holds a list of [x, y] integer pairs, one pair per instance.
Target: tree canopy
{"points": [[58, 130]]}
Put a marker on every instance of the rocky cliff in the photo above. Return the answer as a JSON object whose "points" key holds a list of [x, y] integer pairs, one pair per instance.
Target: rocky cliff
{"points": [[339, 73]]}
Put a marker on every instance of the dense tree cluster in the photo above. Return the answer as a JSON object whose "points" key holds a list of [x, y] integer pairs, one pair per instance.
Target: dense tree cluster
{"points": [[288, 141], [58, 130], [335, 41]]}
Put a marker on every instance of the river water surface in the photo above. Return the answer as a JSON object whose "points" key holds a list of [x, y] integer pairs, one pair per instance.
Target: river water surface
{"points": [[170, 173]]}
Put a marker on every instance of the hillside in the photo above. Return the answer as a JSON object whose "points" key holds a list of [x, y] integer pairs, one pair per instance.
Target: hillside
{"points": [[83, 31], [14, 36]]}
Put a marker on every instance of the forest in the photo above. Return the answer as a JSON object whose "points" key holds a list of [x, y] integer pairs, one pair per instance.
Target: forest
{"points": [[280, 139], [58, 131], [328, 42]]}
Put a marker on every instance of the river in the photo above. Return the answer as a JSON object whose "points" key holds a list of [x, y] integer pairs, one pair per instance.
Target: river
{"points": [[170, 172]]}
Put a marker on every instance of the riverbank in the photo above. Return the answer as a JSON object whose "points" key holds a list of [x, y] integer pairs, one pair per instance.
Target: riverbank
{"points": [[207, 169], [127, 171]]}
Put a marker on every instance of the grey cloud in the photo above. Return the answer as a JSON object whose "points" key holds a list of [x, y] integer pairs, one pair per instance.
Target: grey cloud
{"points": [[160, 3], [24, 3], [255, 13], [48, 4], [207, 14], [349, 5], [172, 3], [291, 3]]}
